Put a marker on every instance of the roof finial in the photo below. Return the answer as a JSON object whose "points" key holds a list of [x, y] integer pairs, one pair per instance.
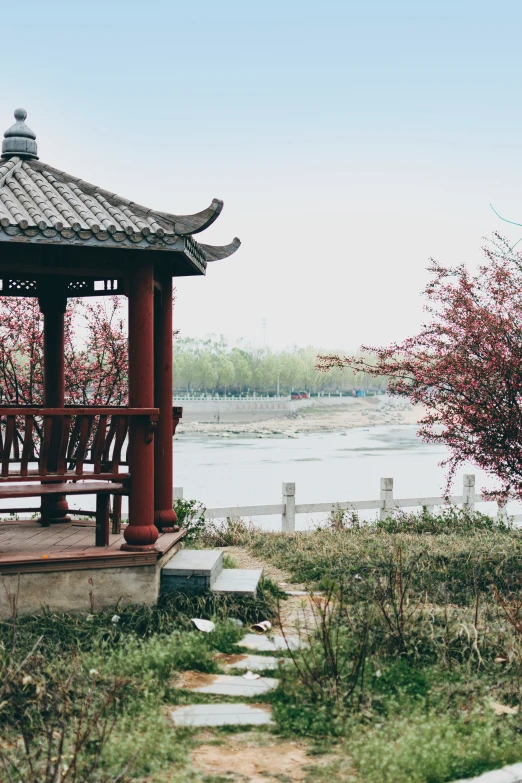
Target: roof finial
{"points": [[19, 139]]}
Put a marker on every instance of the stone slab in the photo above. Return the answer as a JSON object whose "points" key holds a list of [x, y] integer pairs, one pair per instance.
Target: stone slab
{"points": [[253, 663], [191, 571], [190, 585], [516, 770], [221, 715], [194, 562], [234, 685], [509, 774], [238, 580], [269, 643]]}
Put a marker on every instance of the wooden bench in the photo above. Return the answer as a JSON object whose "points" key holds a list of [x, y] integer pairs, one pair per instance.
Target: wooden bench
{"points": [[68, 451], [102, 490]]}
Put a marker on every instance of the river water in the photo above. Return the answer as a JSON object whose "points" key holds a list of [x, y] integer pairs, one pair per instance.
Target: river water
{"points": [[326, 467]]}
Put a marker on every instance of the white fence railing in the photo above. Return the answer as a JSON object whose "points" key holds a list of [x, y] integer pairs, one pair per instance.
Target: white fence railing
{"points": [[385, 505]]}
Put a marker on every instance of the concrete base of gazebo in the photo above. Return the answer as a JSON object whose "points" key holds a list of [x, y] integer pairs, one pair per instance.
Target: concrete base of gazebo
{"points": [[59, 569]]}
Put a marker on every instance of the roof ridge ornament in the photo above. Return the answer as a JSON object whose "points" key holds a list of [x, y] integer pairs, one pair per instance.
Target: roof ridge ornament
{"points": [[19, 139]]}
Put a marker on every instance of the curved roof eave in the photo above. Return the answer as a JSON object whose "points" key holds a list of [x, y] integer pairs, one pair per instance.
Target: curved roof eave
{"points": [[194, 224], [216, 253]]}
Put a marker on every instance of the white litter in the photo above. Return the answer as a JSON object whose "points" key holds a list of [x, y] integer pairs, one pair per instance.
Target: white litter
{"points": [[115, 618], [262, 627], [251, 676], [203, 625]]}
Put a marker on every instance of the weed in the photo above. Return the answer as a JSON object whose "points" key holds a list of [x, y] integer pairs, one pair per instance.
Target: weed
{"points": [[191, 517], [229, 561], [392, 592], [449, 519], [434, 748], [86, 691], [342, 519], [63, 718], [329, 666], [228, 532], [426, 619], [82, 633]]}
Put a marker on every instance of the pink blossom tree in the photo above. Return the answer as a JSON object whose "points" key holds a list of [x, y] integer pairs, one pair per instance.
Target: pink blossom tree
{"points": [[464, 365], [96, 356]]}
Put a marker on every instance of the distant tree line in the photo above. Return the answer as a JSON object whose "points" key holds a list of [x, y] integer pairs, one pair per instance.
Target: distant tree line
{"points": [[213, 366]]}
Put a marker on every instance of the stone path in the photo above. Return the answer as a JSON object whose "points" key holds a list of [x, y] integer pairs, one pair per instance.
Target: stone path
{"points": [[234, 685], [296, 612], [248, 714]]}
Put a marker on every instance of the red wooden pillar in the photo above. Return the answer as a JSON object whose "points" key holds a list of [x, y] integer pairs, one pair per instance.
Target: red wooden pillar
{"points": [[164, 515], [53, 303], [141, 533]]}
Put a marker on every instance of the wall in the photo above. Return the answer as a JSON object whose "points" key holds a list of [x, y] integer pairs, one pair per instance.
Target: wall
{"points": [[249, 409], [69, 591]]}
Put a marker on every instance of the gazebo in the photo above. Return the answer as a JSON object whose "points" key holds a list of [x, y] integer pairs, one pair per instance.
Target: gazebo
{"points": [[62, 237]]}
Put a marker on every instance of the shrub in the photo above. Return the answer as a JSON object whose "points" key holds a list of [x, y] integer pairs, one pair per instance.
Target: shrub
{"points": [[228, 532], [434, 748], [449, 519], [63, 717], [191, 517]]}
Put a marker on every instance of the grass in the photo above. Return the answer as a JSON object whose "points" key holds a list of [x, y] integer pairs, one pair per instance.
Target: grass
{"points": [[90, 691], [412, 670], [414, 645]]}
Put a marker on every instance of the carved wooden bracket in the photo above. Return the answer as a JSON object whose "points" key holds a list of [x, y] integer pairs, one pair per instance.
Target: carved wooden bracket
{"points": [[152, 427], [177, 413]]}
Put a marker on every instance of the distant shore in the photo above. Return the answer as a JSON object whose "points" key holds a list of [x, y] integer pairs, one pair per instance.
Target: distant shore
{"points": [[357, 412]]}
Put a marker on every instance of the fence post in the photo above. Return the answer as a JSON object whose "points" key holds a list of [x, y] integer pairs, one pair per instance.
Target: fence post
{"points": [[386, 498], [502, 514], [178, 493], [288, 518], [468, 490]]}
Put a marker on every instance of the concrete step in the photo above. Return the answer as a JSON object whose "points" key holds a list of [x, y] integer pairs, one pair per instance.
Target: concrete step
{"points": [[221, 715], [238, 580], [228, 685], [252, 663], [272, 643], [192, 571]]}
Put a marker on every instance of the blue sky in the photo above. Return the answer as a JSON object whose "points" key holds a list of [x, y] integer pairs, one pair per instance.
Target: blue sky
{"points": [[349, 141]]}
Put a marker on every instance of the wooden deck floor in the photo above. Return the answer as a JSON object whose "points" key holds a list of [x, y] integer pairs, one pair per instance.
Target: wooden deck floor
{"points": [[26, 546]]}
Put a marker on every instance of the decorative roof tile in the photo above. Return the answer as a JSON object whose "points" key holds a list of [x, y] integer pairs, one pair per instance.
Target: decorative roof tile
{"points": [[36, 199]]}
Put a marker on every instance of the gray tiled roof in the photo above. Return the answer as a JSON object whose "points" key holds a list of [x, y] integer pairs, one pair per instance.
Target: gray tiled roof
{"points": [[38, 200]]}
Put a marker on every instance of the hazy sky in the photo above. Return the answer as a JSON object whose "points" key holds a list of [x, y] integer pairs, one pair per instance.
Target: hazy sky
{"points": [[350, 141]]}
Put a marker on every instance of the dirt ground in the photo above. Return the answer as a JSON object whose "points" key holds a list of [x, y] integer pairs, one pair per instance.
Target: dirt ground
{"points": [[254, 757], [297, 612]]}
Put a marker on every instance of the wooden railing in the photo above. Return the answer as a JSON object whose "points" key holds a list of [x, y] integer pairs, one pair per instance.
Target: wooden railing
{"points": [[38, 444]]}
